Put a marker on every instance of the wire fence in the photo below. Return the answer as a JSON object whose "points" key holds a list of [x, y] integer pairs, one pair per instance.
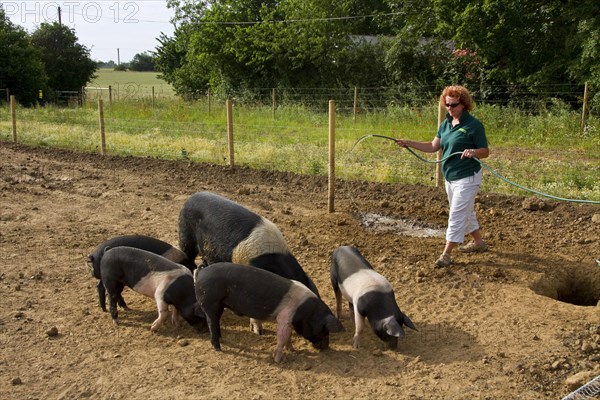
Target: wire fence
{"points": [[550, 155], [379, 98], [351, 99], [127, 92]]}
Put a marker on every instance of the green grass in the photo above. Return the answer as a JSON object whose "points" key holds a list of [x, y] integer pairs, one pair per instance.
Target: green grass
{"points": [[128, 85], [545, 152], [108, 76]]}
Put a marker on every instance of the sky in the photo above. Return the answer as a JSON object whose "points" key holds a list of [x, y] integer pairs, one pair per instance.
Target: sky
{"points": [[111, 29]]}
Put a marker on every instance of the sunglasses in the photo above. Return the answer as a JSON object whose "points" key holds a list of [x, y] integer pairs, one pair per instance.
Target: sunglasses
{"points": [[452, 105]]}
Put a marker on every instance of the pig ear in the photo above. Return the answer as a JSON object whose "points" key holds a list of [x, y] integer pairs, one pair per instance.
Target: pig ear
{"points": [[392, 327], [333, 324], [408, 322]]}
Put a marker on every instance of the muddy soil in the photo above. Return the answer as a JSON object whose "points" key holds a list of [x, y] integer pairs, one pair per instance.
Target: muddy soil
{"points": [[520, 321]]}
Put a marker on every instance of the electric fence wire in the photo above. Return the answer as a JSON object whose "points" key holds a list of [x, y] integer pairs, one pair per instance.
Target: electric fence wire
{"points": [[496, 174]]}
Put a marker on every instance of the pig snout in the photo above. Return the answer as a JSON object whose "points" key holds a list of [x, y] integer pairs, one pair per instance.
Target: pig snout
{"points": [[90, 266], [199, 321], [331, 325], [89, 262], [321, 343], [201, 325], [392, 343]]}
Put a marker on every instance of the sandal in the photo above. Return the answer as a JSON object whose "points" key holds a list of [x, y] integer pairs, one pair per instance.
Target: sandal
{"points": [[474, 247], [444, 261]]}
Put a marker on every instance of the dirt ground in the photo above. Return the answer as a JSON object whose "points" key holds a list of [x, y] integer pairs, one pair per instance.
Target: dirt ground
{"points": [[518, 322]]}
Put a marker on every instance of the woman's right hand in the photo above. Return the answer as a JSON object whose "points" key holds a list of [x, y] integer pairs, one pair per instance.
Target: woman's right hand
{"points": [[402, 142]]}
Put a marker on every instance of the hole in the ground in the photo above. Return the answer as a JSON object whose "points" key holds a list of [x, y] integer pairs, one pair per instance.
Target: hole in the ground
{"points": [[579, 286], [400, 226]]}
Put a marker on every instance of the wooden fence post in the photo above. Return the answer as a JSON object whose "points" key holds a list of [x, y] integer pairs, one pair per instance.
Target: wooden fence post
{"points": [[110, 95], [331, 194], [13, 114], [585, 106], [273, 107], [152, 96], [229, 106], [208, 95], [355, 102], [101, 120], [438, 166]]}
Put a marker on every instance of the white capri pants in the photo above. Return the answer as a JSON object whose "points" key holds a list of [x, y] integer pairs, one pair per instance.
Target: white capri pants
{"points": [[461, 197]]}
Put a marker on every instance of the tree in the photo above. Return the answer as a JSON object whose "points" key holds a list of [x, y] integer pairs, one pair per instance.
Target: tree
{"points": [[500, 43], [178, 68], [106, 64], [244, 44], [68, 63], [142, 62], [587, 39], [525, 41], [235, 45], [416, 64], [507, 42], [21, 68]]}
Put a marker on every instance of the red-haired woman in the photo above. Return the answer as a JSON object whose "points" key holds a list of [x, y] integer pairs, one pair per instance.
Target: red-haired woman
{"points": [[459, 132]]}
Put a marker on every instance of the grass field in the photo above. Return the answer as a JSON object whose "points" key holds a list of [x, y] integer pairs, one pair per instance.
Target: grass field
{"points": [[545, 151], [128, 85]]}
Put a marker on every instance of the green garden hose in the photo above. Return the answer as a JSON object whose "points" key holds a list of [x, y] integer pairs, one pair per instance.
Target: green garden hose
{"points": [[482, 164]]}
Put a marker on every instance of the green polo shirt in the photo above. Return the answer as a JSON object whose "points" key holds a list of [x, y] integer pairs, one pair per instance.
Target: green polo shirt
{"points": [[468, 134]]}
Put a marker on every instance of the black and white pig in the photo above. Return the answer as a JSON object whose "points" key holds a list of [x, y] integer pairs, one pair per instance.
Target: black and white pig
{"points": [[221, 230], [260, 294], [370, 295], [154, 276], [142, 242]]}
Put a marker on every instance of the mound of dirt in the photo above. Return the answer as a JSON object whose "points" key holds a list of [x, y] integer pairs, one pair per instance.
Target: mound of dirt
{"points": [[518, 322]]}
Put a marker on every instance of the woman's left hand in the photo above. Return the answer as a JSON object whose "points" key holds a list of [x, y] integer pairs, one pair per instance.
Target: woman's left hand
{"points": [[469, 153]]}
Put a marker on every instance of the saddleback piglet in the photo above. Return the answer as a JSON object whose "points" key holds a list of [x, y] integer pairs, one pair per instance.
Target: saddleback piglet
{"points": [[142, 242], [154, 276], [260, 294], [369, 295], [221, 230]]}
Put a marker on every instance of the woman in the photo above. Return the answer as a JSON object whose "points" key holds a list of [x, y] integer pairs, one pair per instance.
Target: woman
{"points": [[459, 132]]}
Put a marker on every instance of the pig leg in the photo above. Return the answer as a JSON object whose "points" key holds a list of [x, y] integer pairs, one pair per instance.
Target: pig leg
{"points": [[114, 313], [114, 292], [120, 299], [213, 319], [256, 326], [163, 313], [338, 304], [284, 336], [289, 344], [215, 329], [359, 322], [174, 316], [101, 295], [121, 302]]}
